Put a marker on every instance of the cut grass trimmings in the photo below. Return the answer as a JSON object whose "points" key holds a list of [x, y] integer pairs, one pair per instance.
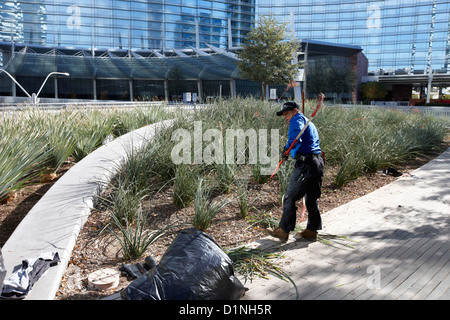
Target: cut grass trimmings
{"points": [[253, 263], [332, 239]]}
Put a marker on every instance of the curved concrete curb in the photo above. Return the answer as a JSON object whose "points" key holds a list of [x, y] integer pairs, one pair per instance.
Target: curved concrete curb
{"points": [[54, 223]]}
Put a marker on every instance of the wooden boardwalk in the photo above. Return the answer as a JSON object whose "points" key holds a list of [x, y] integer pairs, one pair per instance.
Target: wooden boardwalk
{"points": [[402, 249]]}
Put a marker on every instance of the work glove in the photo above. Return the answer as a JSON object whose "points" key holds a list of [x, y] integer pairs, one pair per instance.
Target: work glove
{"points": [[284, 156]]}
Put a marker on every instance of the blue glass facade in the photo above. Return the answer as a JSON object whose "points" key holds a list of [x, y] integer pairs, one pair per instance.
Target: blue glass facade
{"points": [[108, 40], [129, 24], [413, 35], [407, 35]]}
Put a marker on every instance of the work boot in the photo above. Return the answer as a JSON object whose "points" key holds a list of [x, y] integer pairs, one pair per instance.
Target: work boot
{"points": [[307, 234], [278, 233]]}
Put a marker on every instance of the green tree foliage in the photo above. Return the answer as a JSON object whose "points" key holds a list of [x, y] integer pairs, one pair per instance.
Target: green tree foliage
{"points": [[176, 81], [373, 90], [325, 77], [267, 54]]}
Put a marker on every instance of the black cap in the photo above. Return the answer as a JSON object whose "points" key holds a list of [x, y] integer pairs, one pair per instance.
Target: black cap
{"points": [[291, 105]]}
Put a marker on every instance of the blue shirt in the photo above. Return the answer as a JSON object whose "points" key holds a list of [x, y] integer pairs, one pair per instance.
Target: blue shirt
{"points": [[308, 143]]}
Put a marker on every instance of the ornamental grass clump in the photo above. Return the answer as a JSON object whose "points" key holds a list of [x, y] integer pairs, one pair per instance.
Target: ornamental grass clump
{"points": [[242, 195], [205, 208], [225, 177], [184, 186], [284, 176], [360, 140], [125, 202], [21, 157], [91, 134], [134, 237]]}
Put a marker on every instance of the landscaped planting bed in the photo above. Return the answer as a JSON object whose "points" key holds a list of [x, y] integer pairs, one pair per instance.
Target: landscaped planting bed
{"points": [[152, 197]]}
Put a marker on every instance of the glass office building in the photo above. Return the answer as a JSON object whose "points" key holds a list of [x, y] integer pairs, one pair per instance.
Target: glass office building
{"points": [[128, 50], [397, 36], [135, 24], [123, 50]]}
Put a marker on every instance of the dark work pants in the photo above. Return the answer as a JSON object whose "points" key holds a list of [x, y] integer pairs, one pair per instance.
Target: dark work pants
{"points": [[306, 181]]}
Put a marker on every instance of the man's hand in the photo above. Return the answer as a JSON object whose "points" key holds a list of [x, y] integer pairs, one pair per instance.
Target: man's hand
{"points": [[284, 156]]}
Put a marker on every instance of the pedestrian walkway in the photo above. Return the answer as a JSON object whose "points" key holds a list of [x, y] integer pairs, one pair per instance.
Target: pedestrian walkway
{"points": [[402, 249]]}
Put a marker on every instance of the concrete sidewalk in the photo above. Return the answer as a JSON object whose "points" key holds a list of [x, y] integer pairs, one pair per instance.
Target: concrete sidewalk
{"points": [[402, 249]]}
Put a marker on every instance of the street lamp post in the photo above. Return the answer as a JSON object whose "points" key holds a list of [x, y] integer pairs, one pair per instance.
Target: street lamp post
{"points": [[15, 81], [34, 96]]}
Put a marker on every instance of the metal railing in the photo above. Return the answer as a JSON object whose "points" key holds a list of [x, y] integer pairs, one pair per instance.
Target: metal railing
{"points": [[437, 111]]}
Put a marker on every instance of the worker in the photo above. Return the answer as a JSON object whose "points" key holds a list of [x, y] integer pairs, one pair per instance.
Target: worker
{"points": [[306, 179]]}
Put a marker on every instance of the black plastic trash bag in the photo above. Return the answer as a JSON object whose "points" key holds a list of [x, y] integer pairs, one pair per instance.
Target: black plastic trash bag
{"points": [[193, 267], [136, 270]]}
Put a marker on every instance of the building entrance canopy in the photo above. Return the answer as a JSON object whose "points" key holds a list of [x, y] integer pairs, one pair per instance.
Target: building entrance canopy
{"points": [[211, 64]]}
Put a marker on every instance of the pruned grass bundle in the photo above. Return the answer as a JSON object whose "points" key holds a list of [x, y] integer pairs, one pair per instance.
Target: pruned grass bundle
{"points": [[332, 239], [253, 263]]}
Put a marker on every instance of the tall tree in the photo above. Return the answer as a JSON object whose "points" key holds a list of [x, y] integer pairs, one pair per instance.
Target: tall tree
{"points": [[373, 90], [328, 78], [176, 80], [267, 54]]}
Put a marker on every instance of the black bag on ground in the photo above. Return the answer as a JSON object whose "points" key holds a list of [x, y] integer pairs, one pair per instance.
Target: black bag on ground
{"points": [[193, 267]]}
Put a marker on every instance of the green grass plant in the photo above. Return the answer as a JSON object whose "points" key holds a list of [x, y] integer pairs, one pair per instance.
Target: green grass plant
{"points": [[134, 237], [125, 202], [257, 174], [185, 184], [21, 157], [205, 208], [362, 140], [284, 175], [242, 194], [35, 140], [225, 176]]}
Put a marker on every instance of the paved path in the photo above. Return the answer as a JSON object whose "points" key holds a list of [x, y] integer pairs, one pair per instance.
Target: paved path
{"points": [[403, 248]]}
